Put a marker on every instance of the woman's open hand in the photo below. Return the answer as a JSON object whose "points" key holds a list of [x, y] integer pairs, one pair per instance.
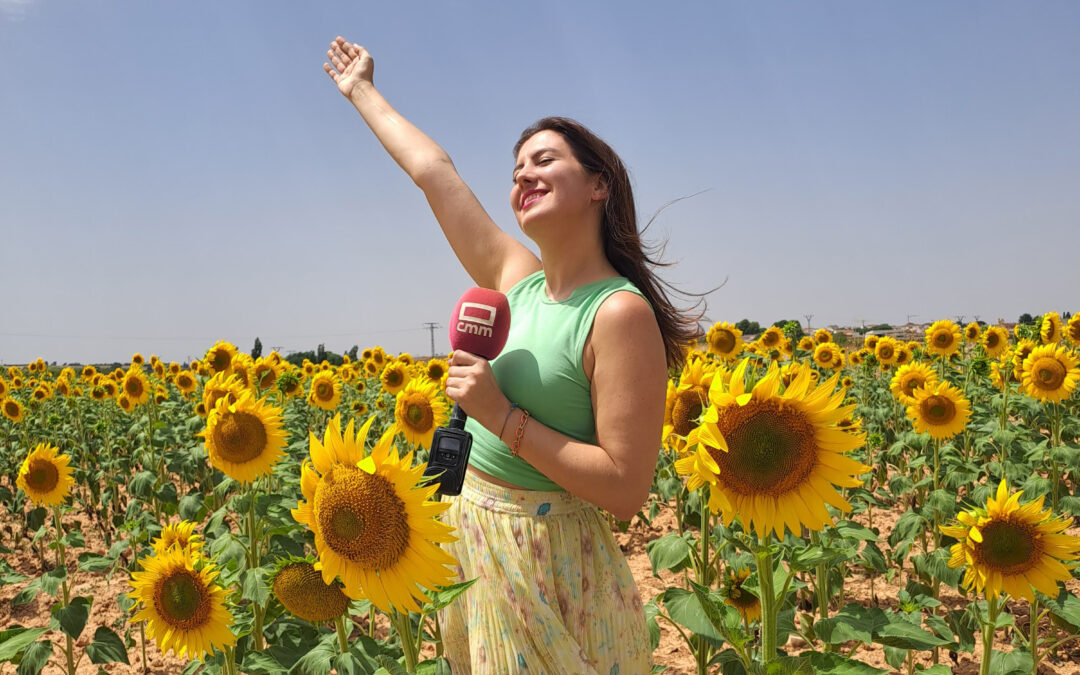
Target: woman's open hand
{"points": [[352, 65]]}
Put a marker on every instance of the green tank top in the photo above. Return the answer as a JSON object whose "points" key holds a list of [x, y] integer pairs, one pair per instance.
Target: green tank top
{"points": [[540, 370]]}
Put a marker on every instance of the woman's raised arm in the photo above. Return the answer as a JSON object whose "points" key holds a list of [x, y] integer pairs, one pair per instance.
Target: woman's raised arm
{"points": [[493, 258]]}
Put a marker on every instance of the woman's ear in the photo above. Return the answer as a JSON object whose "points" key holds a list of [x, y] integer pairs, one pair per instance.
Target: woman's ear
{"points": [[600, 190]]}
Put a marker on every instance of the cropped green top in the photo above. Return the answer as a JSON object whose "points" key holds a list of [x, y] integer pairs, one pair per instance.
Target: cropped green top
{"points": [[540, 370]]}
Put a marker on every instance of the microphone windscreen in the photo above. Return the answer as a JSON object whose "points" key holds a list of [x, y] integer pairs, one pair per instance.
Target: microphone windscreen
{"points": [[480, 322]]}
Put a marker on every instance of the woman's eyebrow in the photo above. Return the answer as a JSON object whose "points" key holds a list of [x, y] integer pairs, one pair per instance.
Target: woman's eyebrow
{"points": [[539, 151]]}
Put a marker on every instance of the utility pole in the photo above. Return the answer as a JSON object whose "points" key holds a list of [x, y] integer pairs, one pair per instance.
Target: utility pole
{"points": [[808, 317], [431, 326]]}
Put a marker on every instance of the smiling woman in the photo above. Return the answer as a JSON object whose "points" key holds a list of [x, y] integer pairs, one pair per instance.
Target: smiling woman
{"points": [[568, 418]]}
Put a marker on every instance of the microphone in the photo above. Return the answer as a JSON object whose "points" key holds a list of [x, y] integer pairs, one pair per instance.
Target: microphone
{"points": [[479, 325]]}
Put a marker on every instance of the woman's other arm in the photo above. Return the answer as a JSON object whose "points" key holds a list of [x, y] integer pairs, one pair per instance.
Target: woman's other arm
{"points": [[490, 256]]}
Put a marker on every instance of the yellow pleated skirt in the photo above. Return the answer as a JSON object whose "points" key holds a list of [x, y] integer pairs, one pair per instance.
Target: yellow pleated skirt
{"points": [[553, 594]]}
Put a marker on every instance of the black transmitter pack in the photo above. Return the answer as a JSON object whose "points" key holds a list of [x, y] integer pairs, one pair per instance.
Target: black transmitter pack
{"points": [[449, 456]]}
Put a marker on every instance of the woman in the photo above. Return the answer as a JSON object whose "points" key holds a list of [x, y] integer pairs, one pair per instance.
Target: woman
{"points": [[568, 417]]}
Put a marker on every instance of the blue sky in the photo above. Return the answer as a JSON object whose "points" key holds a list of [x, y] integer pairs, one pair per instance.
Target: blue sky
{"points": [[176, 173]]}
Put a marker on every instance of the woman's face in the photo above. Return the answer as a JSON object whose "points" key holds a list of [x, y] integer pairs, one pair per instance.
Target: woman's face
{"points": [[550, 182]]}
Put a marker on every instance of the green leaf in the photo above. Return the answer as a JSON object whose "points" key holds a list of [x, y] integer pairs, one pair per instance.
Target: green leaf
{"points": [[142, 484], [934, 670], [15, 640], [193, 507], [74, 539], [850, 530], [391, 665], [835, 664], [685, 609], [1011, 663], [651, 610], [8, 575], [904, 635], [1066, 608], [712, 609], [36, 518], [852, 622], [107, 647], [167, 494], [73, 617], [439, 666], [27, 594], [261, 663], [446, 595], [254, 586], [316, 662], [670, 552], [92, 562], [35, 658]]}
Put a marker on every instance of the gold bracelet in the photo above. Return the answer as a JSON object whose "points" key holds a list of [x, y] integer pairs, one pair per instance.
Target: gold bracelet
{"points": [[516, 447]]}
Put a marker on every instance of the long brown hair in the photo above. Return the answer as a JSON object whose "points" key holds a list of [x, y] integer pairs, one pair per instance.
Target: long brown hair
{"points": [[623, 246]]}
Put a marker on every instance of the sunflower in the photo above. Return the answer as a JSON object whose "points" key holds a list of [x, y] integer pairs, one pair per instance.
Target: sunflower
{"points": [[725, 340], [109, 387], [98, 393], [373, 528], [222, 385], [200, 409], [419, 411], [903, 355], [219, 358], [1050, 328], [125, 403], [771, 338], [3, 388], [1024, 347], [174, 368], [940, 409], [301, 589], [885, 350], [160, 395], [325, 391], [776, 455], [182, 605], [747, 603], [870, 341], [360, 408], [265, 375], [943, 338], [686, 402], [1072, 329], [45, 476], [909, 378], [857, 358], [828, 355], [42, 393], [1050, 373], [361, 386], [378, 355], [406, 358], [159, 368], [137, 359], [436, 369], [806, 343], [1009, 548], [63, 388], [244, 439], [972, 331], [135, 386], [241, 367], [288, 383], [821, 336], [995, 340], [186, 382], [394, 377], [180, 534]]}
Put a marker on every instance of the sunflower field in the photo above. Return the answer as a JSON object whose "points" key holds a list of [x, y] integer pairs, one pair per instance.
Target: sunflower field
{"points": [[907, 506]]}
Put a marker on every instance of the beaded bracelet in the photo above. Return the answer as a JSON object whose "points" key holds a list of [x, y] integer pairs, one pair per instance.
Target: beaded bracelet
{"points": [[513, 407], [516, 447]]}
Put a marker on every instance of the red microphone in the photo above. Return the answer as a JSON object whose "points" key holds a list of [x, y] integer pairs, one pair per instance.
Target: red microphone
{"points": [[479, 325], [480, 322]]}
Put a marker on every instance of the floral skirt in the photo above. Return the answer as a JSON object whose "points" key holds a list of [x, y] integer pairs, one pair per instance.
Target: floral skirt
{"points": [[553, 593]]}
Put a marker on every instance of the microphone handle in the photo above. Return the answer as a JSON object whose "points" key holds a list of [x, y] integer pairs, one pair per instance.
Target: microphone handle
{"points": [[458, 417]]}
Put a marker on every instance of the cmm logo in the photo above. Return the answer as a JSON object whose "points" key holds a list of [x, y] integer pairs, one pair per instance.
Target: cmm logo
{"points": [[476, 319]]}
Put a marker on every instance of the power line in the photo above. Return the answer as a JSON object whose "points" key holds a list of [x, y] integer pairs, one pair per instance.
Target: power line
{"points": [[431, 326]]}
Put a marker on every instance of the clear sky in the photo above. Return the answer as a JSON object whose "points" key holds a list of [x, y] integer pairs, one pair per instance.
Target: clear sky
{"points": [[174, 173]]}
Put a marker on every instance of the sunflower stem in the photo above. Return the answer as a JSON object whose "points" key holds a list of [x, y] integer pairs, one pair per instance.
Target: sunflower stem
{"points": [[821, 584], [61, 561], [342, 637], [988, 634], [404, 629], [763, 558], [253, 563], [1033, 646]]}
